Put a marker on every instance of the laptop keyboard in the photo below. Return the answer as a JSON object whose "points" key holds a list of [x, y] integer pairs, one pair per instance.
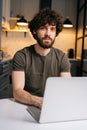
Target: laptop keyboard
{"points": [[35, 112]]}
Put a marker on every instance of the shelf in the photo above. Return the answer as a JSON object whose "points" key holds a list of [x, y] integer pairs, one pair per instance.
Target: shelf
{"points": [[17, 29]]}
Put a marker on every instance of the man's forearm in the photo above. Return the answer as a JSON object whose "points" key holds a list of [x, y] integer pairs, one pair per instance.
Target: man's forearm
{"points": [[26, 98]]}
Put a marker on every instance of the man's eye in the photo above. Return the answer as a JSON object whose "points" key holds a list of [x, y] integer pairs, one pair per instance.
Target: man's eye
{"points": [[42, 27], [53, 29]]}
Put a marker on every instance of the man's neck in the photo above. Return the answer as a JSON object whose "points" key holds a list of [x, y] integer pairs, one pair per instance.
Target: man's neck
{"points": [[41, 51]]}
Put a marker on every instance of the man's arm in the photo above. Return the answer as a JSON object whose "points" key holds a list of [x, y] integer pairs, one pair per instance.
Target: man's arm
{"points": [[18, 82]]}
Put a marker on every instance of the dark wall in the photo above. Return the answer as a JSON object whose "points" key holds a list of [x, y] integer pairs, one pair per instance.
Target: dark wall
{"points": [[45, 3]]}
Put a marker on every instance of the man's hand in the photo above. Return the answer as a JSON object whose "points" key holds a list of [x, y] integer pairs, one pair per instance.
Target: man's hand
{"points": [[37, 101]]}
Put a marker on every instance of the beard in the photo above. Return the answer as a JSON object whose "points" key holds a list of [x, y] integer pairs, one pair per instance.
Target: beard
{"points": [[45, 45]]}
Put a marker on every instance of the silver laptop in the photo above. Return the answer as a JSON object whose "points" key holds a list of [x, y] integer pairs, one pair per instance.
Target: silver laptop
{"points": [[65, 99]]}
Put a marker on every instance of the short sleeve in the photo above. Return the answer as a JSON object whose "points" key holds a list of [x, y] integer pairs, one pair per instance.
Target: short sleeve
{"points": [[18, 61], [65, 64]]}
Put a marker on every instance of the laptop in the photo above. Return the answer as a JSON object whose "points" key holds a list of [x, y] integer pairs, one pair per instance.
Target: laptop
{"points": [[65, 99]]}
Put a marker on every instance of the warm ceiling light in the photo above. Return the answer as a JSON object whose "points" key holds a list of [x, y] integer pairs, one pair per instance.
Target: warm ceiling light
{"points": [[22, 21], [67, 23]]}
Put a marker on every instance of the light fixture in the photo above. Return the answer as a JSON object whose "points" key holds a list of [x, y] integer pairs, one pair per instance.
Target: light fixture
{"points": [[22, 21], [67, 23]]}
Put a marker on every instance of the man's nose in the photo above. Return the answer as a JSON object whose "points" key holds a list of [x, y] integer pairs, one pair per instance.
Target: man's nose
{"points": [[48, 32]]}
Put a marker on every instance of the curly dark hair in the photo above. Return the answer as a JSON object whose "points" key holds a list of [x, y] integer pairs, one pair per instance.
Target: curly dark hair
{"points": [[46, 16]]}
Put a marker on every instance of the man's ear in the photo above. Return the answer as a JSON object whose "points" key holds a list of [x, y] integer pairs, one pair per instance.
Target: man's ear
{"points": [[34, 32]]}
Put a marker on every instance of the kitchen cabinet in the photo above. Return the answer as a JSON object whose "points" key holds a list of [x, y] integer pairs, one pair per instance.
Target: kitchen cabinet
{"points": [[5, 78]]}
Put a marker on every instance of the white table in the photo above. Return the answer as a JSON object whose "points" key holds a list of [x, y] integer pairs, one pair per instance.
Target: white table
{"points": [[14, 116]]}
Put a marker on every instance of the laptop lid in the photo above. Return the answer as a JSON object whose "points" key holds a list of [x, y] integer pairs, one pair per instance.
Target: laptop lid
{"points": [[65, 99]]}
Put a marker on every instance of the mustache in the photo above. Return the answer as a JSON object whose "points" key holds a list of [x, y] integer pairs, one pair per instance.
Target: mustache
{"points": [[47, 37]]}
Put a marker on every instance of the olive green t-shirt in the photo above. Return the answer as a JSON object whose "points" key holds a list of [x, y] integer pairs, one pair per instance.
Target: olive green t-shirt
{"points": [[38, 68]]}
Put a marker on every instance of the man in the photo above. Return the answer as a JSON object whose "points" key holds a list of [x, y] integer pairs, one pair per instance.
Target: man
{"points": [[34, 64]]}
